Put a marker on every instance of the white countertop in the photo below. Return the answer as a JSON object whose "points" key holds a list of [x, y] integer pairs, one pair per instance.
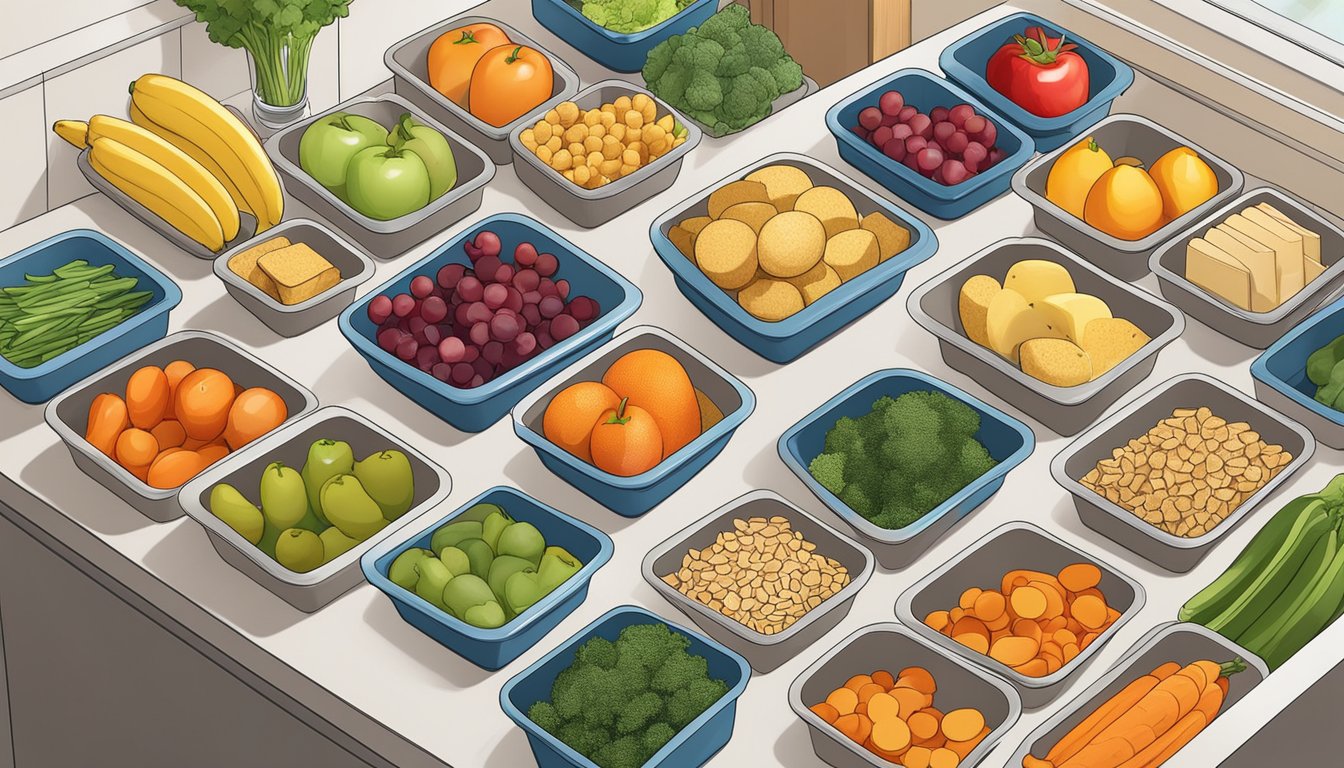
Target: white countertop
{"points": [[357, 666]]}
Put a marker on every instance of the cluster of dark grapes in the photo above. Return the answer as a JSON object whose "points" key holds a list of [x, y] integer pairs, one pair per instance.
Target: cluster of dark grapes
{"points": [[467, 325], [948, 145]]}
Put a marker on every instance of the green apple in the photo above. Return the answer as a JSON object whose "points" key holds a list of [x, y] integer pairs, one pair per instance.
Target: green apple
{"points": [[386, 183], [433, 150], [328, 145]]}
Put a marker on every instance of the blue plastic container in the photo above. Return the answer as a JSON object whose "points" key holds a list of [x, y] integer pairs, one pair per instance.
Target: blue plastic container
{"points": [[964, 63], [693, 746], [494, 648], [790, 338], [1008, 441], [1280, 375], [615, 50], [43, 382], [633, 496], [473, 410], [924, 91]]}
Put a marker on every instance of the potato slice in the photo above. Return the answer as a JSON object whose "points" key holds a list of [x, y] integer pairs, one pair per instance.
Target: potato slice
{"points": [[1037, 278], [1069, 313], [695, 223], [784, 183], [1110, 340], [752, 214], [683, 240], [735, 192], [771, 300], [892, 238], [1010, 320], [973, 306], [851, 253], [1056, 361], [791, 243], [816, 282], [831, 206], [726, 252]]}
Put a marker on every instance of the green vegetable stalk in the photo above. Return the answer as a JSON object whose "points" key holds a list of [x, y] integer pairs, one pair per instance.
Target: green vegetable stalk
{"points": [[278, 34]]}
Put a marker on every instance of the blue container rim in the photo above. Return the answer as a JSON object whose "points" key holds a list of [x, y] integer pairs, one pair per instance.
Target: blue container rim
{"points": [[917, 253], [172, 296], [685, 734], [788, 451], [1260, 366], [389, 548], [625, 38], [1124, 74], [1007, 166], [730, 421], [607, 321]]}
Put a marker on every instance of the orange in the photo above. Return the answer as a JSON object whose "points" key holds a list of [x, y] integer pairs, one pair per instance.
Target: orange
{"points": [[212, 453], [626, 441], [169, 433], [174, 467], [254, 413], [453, 56], [202, 404], [572, 414], [1185, 181], [136, 448], [507, 82], [107, 420], [1125, 203], [655, 382], [147, 396], [175, 371]]}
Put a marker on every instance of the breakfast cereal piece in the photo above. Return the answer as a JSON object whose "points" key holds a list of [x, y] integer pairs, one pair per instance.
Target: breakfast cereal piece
{"points": [[299, 272]]}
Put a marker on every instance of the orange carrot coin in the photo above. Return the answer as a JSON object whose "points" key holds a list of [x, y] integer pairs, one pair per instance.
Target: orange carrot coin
{"points": [[1089, 611], [884, 678], [1079, 576], [891, 734], [825, 712], [962, 724], [1028, 602], [844, 700], [884, 706]]}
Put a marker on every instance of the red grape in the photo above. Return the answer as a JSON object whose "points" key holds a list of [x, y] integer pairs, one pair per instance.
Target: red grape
{"points": [[486, 268], [584, 308], [870, 118], [562, 288], [421, 286], [891, 103], [504, 328], [929, 159], [478, 312], [551, 306], [526, 280], [959, 113], [975, 152], [547, 288], [956, 143], [881, 136], [434, 310], [860, 131], [531, 314], [380, 309], [403, 305], [504, 274], [433, 335], [494, 295], [451, 349], [470, 288], [953, 171], [525, 344], [895, 149], [563, 326], [531, 297], [388, 339], [470, 354], [480, 333], [921, 125], [943, 130], [988, 135], [443, 372], [514, 301], [525, 254], [406, 348], [462, 373], [938, 114], [487, 242], [492, 352], [915, 144], [426, 357], [901, 131], [974, 124], [906, 113], [547, 264]]}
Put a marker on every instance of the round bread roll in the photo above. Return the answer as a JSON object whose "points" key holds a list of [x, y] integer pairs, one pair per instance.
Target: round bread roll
{"points": [[852, 252], [791, 243], [816, 282], [831, 206], [725, 251], [770, 300]]}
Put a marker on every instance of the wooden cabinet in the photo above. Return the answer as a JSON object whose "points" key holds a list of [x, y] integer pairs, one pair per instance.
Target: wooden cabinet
{"points": [[835, 38]]}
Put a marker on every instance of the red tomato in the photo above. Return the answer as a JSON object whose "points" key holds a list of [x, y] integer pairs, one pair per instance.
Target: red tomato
{"points": [[1040, 74]]}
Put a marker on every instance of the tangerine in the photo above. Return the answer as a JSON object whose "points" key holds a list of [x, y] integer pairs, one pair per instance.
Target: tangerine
{"points": [[656, 382], [254, 412], [572, 414], [136, 448], [202, 403], [169, 433], [174, 467], [626, 441]]}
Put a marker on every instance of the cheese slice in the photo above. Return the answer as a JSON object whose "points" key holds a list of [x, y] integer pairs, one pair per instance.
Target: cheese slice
{"points": [[1311, 241], [1257, 259], [1286, 244], [1217, 272], [1311, 270]]}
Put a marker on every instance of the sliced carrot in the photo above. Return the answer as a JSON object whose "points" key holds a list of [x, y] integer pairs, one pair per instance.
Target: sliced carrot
{"points": [[868, 691], [884, 678], [1064, 636], [937, 621], [911, 701], [919, 679], [858, 681], [1027, 628], [1071, 651], [844, 700], [891, 735], [1079, 576], [990, 605], [955, 615], [825, 712], [855, 727], [916, 757], [1019, 577], [1086, 640], [963, 748], [943, 758], [1034, 668], [1029, 602], [1030, 761], [1089, 611], [1052, 648], [1052, 665], [1054, 596], [922, 725], [962, 724], [976, 642], [891, 757], [1003, 622], [1103, 717], [1055, 624], [884, 706], [967, 600], [1013, 651], [862, 709]]}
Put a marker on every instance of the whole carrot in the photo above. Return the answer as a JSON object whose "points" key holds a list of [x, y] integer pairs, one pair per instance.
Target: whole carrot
{"points": [[1107, 713]]}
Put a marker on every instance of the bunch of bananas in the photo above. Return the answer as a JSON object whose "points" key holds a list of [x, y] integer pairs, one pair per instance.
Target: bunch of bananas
{"points": [[184, 157], [1287, 585]]}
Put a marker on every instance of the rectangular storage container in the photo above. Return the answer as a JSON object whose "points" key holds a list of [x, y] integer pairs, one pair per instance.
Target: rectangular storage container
{"points": [[494, 648], [1254, 329], [633, 496], [1191, 390], [243, 470], [619, 51], [393, 237], [1177, 642], [1066, 410], [43, 381], [408, 60], [472, 410], [983, 564], [788, 339], [893, 647], [295, 319], [1280, 375], [1008, 441], [68, 413], [693, 746], [592, 207], [765, 652], [964, 63], [1120, 135], [925, 91]]}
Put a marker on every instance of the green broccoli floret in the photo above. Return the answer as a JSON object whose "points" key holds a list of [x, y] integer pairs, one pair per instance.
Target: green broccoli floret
{"points": [[697, 55], [672, 85], [762, 45], [857, 499], [788, 74], [974, 460], [625, 752], [678, 671], [659, 59], [766, 80], [569, 692], [916, 416], [959, 419], [686, 704], [829, 470], [639, 712], [648, 645], [656, 736], [844, 437], [544, 715], [598, 651], [629, 16], [582, 737], [733, 63], [703, 91], [746, 101]]}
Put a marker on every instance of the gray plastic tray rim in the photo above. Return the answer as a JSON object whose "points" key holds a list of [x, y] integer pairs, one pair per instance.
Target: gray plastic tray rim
{"points": [[1059, 471], [347, 282], [1062, 395], [190, 495], [781, 103], [787, 509], [905, 607]]}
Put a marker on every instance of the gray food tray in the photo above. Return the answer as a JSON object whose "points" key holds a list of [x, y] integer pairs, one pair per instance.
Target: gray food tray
{"points": [[294, 319], [1254, 329], [765, 652], [1066, 410], [385, 239], [983, 564], [68, 413], [1119, 135], [783, 102], [892, 646], [592, 207], [305, 591], [1326, 431], [1191, 390], [410, 79], [1171, 642]]}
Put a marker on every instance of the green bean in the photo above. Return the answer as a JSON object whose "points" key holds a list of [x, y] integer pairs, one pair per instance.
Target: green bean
{"points": [[67, 315], [125, 300]]}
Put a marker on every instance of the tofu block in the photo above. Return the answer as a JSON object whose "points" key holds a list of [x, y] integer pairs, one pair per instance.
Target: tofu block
{"points": [[1258, 260], [1010, 320], [1069, 313], [299, 272], [892, 238], [1286, 244], [1037, 278], [1212, 269], [1311, 240], [973, 306], [244, 265], [1111, 340], [784, 183], [1057, 362], [735, 192]]}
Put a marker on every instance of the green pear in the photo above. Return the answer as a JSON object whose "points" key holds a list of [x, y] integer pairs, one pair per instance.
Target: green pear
{"points": [[284, 498], [326, 459], [479, 554], [388, 479], [229, 505], [465, 592], [402, 572], [522, 590], [493, 526], [348, 507], [299, 550], [478, 512], [449, 535], [433, 576], [502, 568], [269, 536], [335, 543], [523, 540], [457, 561], [433, 150], [557, 565], [486, 616]]}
